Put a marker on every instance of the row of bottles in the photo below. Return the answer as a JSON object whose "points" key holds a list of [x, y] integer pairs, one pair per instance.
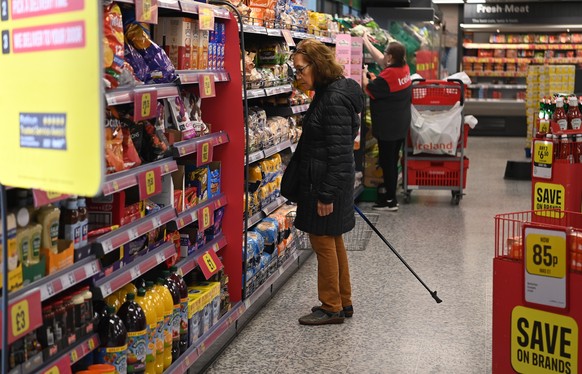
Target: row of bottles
{"points": [[569, 118], [146, 328], [36, 229], [566, 147]]}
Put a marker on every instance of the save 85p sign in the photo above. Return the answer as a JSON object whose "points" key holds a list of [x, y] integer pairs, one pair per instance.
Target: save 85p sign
{"points": [[543, 342]]}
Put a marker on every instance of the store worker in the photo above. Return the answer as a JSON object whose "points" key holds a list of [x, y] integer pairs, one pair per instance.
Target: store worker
{"points": [[390, 102], [326, 174]]}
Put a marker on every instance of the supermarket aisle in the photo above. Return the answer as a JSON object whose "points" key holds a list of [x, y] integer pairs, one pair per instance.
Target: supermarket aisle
{"points": [[397, 326]]}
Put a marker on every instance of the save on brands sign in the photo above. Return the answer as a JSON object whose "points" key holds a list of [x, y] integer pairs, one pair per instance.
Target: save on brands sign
{"points": [[522, 13], [543, 342]]}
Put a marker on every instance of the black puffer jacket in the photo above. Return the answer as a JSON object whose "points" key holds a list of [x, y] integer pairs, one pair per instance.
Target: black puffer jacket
{"points": [[326, 154]]}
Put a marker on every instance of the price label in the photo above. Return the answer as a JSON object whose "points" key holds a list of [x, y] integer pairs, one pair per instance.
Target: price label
{"points": [[107, 246], [157, 221], [106, 289], [205, 18], [545, 266], [189, 6], [146, 11], [543, 159], [181, 223], [160, 258], [205, 218], [74, 356], [63, 365], [546, 255], [68, 280], [20, 318], [206, 85], [204, 153], [288, 38], [209, 263], [145, 104], [47, 291], [150, 183], [91, 269], [135, 273], [132, 234], [273, 32], [91, 344]]}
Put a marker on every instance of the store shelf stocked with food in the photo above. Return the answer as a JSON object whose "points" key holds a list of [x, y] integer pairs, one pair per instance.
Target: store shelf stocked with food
{"points": [[498, 62], [162, 200]]}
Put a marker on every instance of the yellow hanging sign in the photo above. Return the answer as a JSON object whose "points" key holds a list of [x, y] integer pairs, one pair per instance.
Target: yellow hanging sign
{"points": [[52, 96]]}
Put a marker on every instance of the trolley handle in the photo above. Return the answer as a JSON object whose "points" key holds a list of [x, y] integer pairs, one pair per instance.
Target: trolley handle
{"points": [[436, 81]]}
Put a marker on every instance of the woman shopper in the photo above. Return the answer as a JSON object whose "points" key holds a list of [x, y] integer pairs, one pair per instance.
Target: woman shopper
{"points": [[390, 100], [326, 174]]}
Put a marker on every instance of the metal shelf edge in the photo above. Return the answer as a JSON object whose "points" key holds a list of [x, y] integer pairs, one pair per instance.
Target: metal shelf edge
{"points": [[158, 219], [187, 264], [122, 272]]}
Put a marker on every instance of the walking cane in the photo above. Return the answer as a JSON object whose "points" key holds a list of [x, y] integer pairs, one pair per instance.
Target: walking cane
{"points": [[432, 293]]}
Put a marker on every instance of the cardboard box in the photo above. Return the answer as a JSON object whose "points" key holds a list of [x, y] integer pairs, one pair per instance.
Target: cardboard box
{"points": [[194, 46], [116, 209], [195, 309], [174, 34], [61, 260], [203, 41]]}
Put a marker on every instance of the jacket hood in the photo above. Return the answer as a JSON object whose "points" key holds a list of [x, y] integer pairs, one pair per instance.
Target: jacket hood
{"points": [[351, 90]]}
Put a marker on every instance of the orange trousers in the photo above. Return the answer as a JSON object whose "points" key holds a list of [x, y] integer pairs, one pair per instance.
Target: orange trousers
{"points": [[333, 273]]}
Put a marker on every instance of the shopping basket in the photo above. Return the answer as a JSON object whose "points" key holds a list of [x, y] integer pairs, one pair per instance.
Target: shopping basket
{"points": [[435, 171], [509, 233], [357, 239]]}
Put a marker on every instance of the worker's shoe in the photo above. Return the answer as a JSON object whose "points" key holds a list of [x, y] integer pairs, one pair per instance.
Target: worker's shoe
{"points": [[348, 311], [322, 317], [389, 205]]}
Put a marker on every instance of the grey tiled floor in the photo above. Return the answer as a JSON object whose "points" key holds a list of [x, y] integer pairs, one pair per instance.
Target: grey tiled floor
{"points": [[397, 326]]}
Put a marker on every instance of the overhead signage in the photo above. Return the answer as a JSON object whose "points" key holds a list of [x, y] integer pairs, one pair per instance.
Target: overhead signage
{"points": [[52, 96], [522, 13]]}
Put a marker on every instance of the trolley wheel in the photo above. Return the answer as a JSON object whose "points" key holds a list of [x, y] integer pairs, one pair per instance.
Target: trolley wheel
{"points": [[407, 197], [456, 197]]}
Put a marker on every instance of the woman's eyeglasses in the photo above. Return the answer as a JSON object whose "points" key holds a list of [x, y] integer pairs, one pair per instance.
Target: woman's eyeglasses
{"points": [[299, 69]]}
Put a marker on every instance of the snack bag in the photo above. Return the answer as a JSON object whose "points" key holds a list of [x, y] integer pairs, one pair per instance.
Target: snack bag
{"points": [[161, 68], [156, 144], [114, 149], [113, 51], [133, 58]]}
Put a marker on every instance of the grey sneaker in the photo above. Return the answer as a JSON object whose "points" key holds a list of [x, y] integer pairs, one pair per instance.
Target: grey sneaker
{"points": [[322, 317]]}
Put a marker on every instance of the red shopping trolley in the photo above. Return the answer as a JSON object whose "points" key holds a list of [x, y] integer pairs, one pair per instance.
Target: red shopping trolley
{"points": [[431, 171]]}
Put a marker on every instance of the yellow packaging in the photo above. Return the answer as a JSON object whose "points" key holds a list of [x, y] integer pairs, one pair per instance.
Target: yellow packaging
{"points": [[159, 335], [14, 266], [212, 300], [64, 257], [203, 49], [194, 316], [166, 297], [152, 326], [195, 45]]}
